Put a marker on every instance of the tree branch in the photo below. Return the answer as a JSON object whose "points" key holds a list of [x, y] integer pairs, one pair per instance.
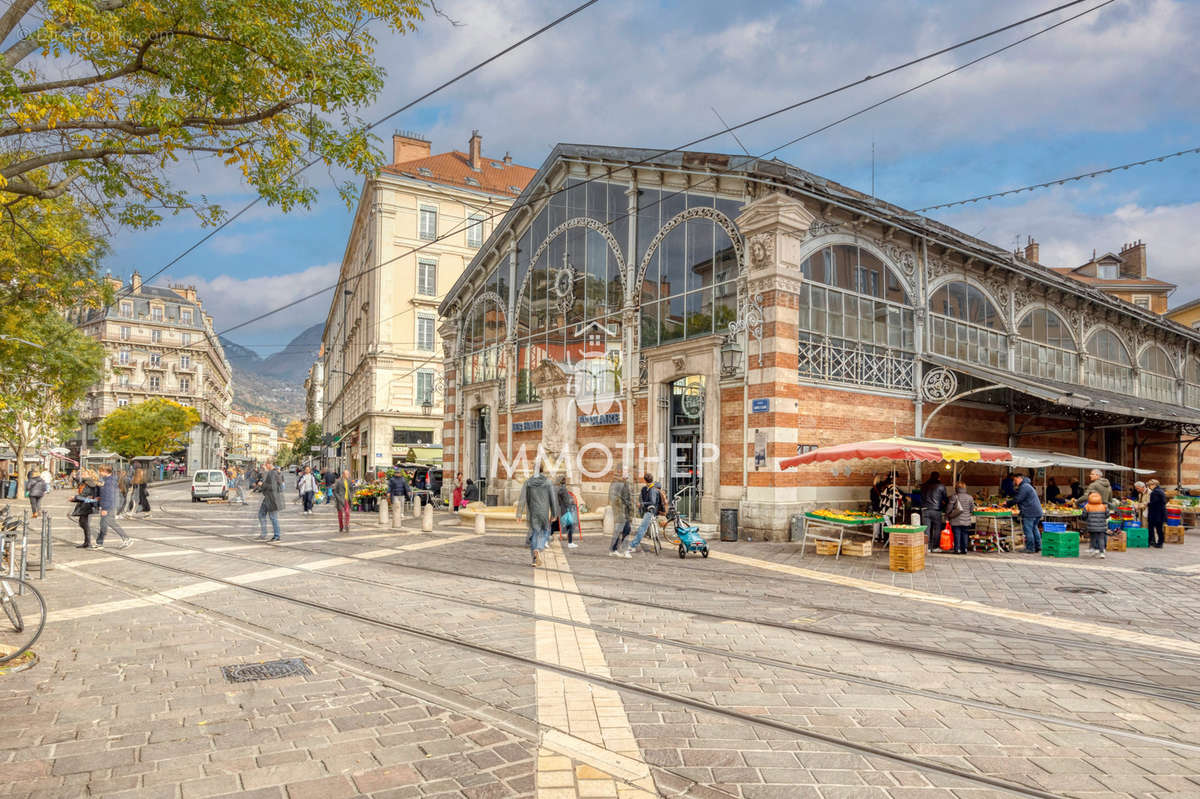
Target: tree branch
{"points": [[133, 129], [13, 16], [47, 159], [26, 189]]}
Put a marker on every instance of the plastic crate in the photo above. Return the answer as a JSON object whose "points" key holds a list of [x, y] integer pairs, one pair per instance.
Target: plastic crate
{"points": [[1054, 527], [1137, 537]]}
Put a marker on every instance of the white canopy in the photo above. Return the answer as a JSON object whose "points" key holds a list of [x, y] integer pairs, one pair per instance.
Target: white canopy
{"points": [[1040, 459]]}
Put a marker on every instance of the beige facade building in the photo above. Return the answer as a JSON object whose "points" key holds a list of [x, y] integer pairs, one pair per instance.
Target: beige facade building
{"points": [[237, 444], [159, 342], [262, 439], [1122, 275], [418, 224]]}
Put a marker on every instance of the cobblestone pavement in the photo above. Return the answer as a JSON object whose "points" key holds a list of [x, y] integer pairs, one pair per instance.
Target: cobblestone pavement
{"points": [[443, 665]]}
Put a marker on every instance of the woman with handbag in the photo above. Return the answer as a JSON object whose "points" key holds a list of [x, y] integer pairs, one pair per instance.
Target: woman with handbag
{"points": [[86, 500], [141, 493], [568, 513]]}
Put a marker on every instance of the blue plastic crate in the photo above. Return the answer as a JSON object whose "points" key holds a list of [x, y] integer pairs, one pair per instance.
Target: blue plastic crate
{"points": [[1054, 527]]}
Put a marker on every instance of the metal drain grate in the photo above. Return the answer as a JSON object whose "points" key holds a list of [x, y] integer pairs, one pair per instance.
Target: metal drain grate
{"points": [[270, 670], [1080, 589]]}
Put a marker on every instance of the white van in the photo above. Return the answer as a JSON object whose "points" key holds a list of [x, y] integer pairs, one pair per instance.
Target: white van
{"points": [[208, 484]]}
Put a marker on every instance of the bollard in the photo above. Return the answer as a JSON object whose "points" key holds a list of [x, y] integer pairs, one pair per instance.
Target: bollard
{"points": [[416, 503], [480, 523], [383, 514], [398, 513], [607, 524], [427, 519]]}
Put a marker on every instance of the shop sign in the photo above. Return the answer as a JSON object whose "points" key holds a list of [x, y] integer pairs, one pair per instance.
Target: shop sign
{"points": [[600, 419], [760, 405], [527, 427]]}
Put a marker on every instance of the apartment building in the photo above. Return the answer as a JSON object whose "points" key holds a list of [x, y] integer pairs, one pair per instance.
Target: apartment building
{"points": [[159, 342], [262, 439], [418, 224]]}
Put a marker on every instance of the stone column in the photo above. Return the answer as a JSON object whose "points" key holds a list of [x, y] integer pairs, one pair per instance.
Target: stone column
{"points": [[559, 417]]}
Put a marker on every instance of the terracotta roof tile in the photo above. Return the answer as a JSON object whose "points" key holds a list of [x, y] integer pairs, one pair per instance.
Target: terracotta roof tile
{"points": [[1124, 282], [454, 169]]}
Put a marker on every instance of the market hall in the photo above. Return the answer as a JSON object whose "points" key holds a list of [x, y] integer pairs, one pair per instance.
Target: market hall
{"points": [[703, 317]]}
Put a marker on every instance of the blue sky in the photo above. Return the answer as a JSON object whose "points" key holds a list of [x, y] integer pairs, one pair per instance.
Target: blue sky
{"points": [[1117, 85]]}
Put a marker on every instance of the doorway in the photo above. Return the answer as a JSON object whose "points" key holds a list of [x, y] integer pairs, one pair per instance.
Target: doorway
{"points": [[481, 436], [685, 424]]}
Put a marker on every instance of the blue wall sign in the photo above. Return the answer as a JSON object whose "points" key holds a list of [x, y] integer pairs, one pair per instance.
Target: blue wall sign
{"points": [[760, 405], [600, 419], [527, 427]]}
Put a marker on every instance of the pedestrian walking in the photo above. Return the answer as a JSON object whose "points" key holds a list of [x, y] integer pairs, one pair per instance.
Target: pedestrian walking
{"points": [[123, 491], [271, 487], [110, 503], [1027, 502], [36, 489], [651, 503], [87, 495], [1156, 513], [933, 504], [1095, 521], [341, 500], [307, 485], [568, 519], [959, 514], [538, 503], [141, 493], [620, 499], [239, 482], [456, 498], [398, 489]]}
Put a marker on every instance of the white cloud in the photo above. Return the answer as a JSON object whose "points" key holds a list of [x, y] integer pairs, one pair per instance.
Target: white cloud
{"points": [[232, 300]]}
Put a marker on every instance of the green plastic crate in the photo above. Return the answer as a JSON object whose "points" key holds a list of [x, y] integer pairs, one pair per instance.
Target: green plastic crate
{"points": [[1068, 538], [1137, 537]]}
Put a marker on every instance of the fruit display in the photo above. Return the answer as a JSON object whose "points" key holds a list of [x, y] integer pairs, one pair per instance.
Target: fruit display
{"points": [[844, 516], [1057, 509], [992, 510]]}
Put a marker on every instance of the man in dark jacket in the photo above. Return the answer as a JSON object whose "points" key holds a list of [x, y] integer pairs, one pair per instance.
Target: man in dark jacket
{"points": [[651, 503], [270, 484], [1156, 513], [36, 488], [538, 503], [470, 492], [398, 488], [110, 503], [341, 491], [933, 504], [1026, 500]]}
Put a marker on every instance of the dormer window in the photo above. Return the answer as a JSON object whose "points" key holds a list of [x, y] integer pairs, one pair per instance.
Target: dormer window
{"points": [[514, 189], [497, 165], [126, 309], [156, 313], [426, 171], [471, 181], [185, 316], [1106, 271]]}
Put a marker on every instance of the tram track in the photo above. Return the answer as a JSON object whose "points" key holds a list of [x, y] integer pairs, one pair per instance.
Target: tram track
{"points": [[1182, 695], [645, 692], [761, 660]]}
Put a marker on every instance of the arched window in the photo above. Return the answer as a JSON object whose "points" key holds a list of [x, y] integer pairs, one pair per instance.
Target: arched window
{"points": [[1193, 383], [1157, 378], [483, 335], [1046, 347], [964, 324], [855, 321], [1109, 366]]}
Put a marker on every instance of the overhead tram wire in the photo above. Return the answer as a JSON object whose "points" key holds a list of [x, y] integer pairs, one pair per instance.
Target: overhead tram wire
{"points": [[1061, 181], [227, 222], [729, 129]]}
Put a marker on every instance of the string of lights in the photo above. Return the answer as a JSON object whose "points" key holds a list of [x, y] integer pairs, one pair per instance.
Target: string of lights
{"points": [[1062, 181]]}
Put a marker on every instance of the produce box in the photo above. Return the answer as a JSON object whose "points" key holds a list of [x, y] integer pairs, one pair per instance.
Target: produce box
{"points": [[857, 549], [1060, 545], [907, 539], [983, 542], [1173, 535], [905, 528], [827, 547], [852, 518], [1137, 537], [993, 514], [1116, 542], [906, 559]]}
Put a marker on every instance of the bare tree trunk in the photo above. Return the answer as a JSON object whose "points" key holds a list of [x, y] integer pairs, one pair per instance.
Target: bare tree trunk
{"points": [[20, 451]]}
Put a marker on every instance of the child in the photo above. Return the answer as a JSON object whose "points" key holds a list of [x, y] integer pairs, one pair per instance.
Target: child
{"points": [[1095, 520]]}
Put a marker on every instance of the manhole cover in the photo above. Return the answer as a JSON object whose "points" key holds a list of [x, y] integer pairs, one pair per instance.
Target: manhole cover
{"points": [[271, 670], [1080, 589]]}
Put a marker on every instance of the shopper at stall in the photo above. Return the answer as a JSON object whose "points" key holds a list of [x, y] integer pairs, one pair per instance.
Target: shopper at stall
{"points": [[1099, 483], [1008, 486], [1026, 501], [933, 504], [1156, 513], [1076, 490], [1095, 521], [1053, 492], [958, 514]]}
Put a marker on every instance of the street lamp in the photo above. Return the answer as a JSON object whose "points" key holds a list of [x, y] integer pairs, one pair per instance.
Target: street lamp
{"points": [[731, 355]]}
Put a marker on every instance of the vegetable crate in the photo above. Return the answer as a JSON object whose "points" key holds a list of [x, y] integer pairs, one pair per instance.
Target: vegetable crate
{"points": [[906, 559], [1116, 542], [1060, 545], [827, 547], [1137, 537], [983, 542], [1173, 535], [857, 549], [906, 539]]}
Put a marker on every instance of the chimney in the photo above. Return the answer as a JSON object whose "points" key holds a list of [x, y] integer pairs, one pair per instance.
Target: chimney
{"points": [[114, 282], [476, 146], [1135, 258], [135, 281], [1031, 251], [408, 146], [508, 159]]}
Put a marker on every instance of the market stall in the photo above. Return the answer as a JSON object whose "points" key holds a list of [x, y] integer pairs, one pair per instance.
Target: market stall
{"points": [[832, 526]]}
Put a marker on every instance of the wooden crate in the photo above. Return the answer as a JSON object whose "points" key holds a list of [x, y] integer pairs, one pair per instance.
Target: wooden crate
{"points": [[1116, 542], [906, 539], [857, 549], [827, 547], [906, 559], [1173, 535]]}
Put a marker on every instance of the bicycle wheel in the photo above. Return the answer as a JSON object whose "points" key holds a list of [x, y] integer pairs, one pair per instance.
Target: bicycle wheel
{"points": [[25, 610], [654, 537], [670, 536]]}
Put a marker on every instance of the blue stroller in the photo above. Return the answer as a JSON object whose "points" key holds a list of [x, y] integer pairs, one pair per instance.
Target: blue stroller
{"points": [[686, 535]]}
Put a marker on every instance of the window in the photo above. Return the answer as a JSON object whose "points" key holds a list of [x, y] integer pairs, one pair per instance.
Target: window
{"points": [[964, 325], [412, 438], [185, 339], [1106, 271], [156, 336], [185, 362], [121, 403], [475, 230], [126, 309], [1109, 366], [424, 386], [1046, 347], [1142, 301], [470, 181], [185, 315], [427, 278], [124, 332], [425, 333], [1157, 378], [123, 357], [185, 384], [123, 380], [155, 382], [155, 359], [427, 222], [426, 171], [156, 313]]}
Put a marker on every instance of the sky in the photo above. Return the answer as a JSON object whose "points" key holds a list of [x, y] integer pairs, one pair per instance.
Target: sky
{"points": [[1117, 85]]}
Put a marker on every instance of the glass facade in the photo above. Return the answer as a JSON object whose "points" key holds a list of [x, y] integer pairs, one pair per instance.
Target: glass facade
{"points": [[1046, 347], [1157, 376], [963, 324], [1109, 366]]}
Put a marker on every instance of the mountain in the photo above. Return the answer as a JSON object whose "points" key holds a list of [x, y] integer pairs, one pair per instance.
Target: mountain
{"points": [[273, 386]]}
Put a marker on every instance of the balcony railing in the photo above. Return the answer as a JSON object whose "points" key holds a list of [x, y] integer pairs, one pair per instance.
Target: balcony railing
{"points": [[852, 363]]}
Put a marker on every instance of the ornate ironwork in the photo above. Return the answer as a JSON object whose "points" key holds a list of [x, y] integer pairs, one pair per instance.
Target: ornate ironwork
{"points": [[939, 385], [750, 320], [698, 212], [854, 363], [562, 283], [584, 222]]}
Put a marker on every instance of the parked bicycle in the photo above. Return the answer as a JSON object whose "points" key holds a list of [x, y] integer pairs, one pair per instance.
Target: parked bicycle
{"points": [[24, 617]]}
